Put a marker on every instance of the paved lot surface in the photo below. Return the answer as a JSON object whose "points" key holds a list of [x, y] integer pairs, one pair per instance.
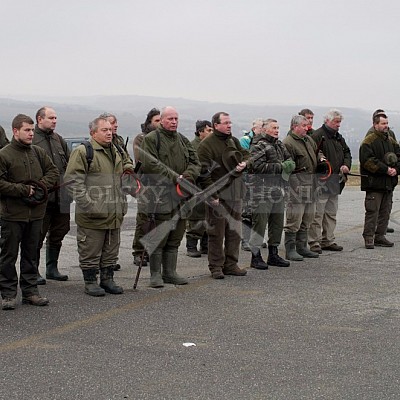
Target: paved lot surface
{"points": [[321, 329]]}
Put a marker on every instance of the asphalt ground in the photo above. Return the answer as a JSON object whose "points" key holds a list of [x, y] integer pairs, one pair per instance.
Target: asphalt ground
{"points": [[324, 328]]}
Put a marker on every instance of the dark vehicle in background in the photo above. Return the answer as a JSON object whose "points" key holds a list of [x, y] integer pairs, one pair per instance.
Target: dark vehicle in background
{"points": [[74, 142]]}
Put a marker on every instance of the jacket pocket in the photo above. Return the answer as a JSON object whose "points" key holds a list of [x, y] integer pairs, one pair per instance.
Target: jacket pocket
{"points": [[99, 203]]}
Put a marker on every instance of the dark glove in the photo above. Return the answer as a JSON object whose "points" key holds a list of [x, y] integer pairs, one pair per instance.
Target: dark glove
{"points": [[40, 195], [130, 184]]}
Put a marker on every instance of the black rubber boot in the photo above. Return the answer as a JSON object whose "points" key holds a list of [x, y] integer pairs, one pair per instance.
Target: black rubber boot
{"points": [[257, 261], [107, 281], [91, 286], [52, 255], [274, 258]]}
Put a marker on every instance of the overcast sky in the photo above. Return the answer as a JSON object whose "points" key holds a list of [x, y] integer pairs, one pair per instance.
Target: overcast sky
{"points": [[341, 53]]}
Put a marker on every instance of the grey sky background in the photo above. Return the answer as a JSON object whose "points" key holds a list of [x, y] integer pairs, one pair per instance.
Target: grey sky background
{"points": [[311, 52]]}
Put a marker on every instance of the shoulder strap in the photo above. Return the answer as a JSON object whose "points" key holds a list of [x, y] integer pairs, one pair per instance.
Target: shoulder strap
{"points": [[89, 152], [120, 150]]}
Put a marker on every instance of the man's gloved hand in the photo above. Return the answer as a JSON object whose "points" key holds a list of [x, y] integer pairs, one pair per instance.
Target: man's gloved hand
{"points": [[130, 184], [39, 195], [287, 168], [184, 183]]}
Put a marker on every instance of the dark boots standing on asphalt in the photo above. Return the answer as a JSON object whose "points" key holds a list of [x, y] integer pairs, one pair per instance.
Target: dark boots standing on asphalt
{"points": [[301, 245], [257, 261], [274, 259], [52, 255], [56, 222], [191, 246]]}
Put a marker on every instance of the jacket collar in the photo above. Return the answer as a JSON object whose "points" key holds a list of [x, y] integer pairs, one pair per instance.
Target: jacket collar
{"points": [[42, 132], [222, 136], [20, 146]]}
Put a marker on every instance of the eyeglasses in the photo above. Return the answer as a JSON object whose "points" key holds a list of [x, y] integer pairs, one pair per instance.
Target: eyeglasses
{"points": [[225, 123]]}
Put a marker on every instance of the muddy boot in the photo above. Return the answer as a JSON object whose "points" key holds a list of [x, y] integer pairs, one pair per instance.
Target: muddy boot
{"points": [[257, 261], [52, 255], [169, 260], [290, 246], [156, 280], [191, 247], [235, 271], [91, 286], [107, 281], [274, 258], [216, 272], [301, 245]]}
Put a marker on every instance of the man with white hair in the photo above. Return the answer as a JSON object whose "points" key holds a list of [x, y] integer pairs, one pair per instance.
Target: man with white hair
{"points": [[334, 147]]}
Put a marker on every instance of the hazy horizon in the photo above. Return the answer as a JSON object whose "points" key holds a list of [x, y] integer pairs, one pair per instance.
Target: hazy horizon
{"points": [[312, 53]]}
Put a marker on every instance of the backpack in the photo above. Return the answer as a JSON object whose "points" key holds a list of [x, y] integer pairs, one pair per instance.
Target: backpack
{"points": [[90, 152]]}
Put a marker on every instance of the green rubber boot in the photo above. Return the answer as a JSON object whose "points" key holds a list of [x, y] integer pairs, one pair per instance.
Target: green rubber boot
{"points": [[156, 280], [169, 260]]}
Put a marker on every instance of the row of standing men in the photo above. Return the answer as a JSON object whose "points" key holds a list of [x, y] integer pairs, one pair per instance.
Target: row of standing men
{"points": [[170, 162]]}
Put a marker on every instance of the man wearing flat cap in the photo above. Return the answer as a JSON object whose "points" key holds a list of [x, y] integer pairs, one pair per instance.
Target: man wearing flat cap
{"points": [[221, 154], [379, 162], [25, 170]]}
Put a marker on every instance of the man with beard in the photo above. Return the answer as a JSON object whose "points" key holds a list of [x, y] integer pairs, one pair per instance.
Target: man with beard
{"points": [[379, 161], [26, 173]]}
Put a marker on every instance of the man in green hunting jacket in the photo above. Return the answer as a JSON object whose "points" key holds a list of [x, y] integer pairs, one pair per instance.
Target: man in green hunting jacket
{"points": [[100, 206], [379, 162], [300, 208], [56, 220], [26, 172], [221, 154], [333, 145], [167, 157]]}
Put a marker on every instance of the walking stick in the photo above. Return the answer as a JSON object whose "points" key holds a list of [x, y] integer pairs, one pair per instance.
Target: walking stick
{"points": [[139, 269]]}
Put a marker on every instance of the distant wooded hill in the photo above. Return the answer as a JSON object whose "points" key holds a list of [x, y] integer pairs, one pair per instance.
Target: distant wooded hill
{"points": [[74, 114]]}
